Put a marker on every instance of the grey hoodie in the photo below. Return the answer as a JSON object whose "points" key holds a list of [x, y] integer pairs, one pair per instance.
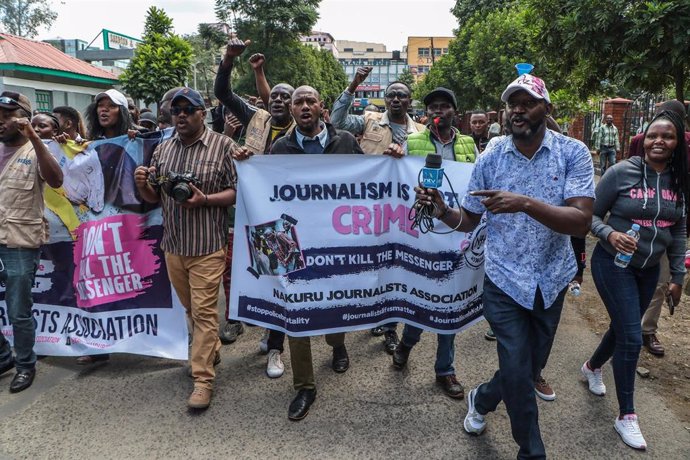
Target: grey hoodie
{"points": [[633, 192]]}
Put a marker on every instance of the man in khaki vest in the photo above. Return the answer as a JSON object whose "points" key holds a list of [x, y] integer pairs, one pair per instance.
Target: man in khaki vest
{"points": [[381, 133], [378, 130], [263, 127], [25, 165]]}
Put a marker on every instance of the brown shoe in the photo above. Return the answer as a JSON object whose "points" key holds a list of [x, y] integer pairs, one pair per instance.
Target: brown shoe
{"points": [[544, 390], [652, 344], [451, 386], [200, 398]]}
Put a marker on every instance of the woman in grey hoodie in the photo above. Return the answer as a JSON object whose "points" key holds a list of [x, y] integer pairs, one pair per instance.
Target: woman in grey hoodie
{"points": [[651, 192]]}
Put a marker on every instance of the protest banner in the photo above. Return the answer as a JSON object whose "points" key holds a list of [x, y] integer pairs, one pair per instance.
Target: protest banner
{"points": [[102, 285], [324, 243]]}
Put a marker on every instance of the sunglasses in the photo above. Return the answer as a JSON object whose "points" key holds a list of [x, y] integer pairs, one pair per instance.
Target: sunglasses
{"points": [[8, 100], [400, 94], [188, 110]]}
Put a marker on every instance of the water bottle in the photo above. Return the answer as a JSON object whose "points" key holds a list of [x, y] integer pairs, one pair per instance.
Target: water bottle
{"points": [[622, 259], [574, 288]]}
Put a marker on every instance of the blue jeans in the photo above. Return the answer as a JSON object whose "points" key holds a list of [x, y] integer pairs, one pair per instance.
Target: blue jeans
{"points": [[524, 340], [18, 270], [606, 155], [445, 348], [626, 293]]}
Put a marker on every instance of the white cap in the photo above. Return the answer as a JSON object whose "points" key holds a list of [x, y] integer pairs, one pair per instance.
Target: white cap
{"points": [[533, 85], [114, 95]]}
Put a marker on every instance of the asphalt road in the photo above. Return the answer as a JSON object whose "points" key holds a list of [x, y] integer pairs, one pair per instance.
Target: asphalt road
{"points": [[134, 407]]}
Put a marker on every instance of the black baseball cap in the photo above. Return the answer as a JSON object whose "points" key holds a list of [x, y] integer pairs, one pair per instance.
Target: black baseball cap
{"points": [[192, 96], [445, 93]]}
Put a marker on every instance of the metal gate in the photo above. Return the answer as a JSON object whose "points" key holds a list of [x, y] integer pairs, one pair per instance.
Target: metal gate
{"points": [[637, 116]]}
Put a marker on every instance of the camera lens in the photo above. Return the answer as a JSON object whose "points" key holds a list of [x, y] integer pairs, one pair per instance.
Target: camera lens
{"points": [[181, 192]]}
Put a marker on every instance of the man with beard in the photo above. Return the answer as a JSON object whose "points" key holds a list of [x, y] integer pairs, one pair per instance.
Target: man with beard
{"points": [[537, 188], [311, 136], [378, 133], [25, 167]]}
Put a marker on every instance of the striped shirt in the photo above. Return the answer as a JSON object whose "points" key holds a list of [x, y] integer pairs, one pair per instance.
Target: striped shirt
{"points": [[203, 230]]}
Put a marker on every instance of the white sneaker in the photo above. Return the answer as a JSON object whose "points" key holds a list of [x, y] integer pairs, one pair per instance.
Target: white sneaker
{"points": [[263, 344], [630, 432], [474, 421], [596, 384], [275, 367]]}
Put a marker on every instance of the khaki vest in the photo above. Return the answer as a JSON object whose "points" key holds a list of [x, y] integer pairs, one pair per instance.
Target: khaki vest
{"points": [[259, 132], [22, 224], [378, 134]]}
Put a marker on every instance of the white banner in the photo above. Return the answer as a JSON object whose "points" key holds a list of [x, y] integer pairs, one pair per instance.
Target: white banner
{"points": [[323, 244], [102, 284]]}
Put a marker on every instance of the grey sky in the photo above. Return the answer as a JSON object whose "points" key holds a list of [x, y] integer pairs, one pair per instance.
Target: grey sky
{"points": [[381, 21]]}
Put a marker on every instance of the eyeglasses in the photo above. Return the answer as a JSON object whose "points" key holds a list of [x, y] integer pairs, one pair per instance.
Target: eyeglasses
{"points": [[188, 109], [400, 95]]}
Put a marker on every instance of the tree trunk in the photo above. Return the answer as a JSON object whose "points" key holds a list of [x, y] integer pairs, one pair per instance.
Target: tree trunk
{"points": [[679, 78]]}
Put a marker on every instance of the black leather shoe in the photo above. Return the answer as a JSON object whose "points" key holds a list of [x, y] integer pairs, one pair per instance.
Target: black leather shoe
{"points": [[401, 355], [299, 407], [7, 367], [341, 362], [451, 386], [22, 380], [390, 342]]}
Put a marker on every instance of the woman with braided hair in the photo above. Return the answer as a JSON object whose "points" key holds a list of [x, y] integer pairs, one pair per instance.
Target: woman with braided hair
{"points": [[651, 192]]}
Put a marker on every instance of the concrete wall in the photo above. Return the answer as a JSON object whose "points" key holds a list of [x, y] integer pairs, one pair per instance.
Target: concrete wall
{"points": [[78, 97]]}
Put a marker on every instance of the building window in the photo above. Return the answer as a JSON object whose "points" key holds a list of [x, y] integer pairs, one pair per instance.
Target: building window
{"points": [[437, 51], [445, 51], [423, 69], [370, 50], [44, 101], [347, 50], [424, 52]]}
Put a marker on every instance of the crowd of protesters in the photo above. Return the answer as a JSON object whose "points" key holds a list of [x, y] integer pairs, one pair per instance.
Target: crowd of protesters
{"points": [[530, 180]]}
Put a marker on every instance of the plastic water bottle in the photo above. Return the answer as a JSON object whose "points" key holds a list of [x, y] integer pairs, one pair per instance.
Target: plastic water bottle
{"points": [[622, 259], [574, 288]]}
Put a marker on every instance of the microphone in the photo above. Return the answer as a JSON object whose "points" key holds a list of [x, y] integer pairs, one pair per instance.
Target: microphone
{"points": [[432, 172]]}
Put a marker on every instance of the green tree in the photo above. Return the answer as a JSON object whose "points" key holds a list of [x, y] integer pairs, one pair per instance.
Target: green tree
{"points": [[160, 63], [481, 59], [332, 78], [641, 45], [274, 28], [25, 17], [407, 77], [465, 10], [207, 45]]}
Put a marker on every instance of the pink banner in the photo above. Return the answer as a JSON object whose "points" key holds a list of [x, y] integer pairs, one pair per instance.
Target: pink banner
{"points": [[113, 261]]}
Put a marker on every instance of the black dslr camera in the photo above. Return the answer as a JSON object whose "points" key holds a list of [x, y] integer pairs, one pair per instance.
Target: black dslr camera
{"points": [[176, 185]]}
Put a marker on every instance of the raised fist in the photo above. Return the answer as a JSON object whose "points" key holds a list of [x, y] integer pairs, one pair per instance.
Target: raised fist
{"points": [[257, 60]]}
